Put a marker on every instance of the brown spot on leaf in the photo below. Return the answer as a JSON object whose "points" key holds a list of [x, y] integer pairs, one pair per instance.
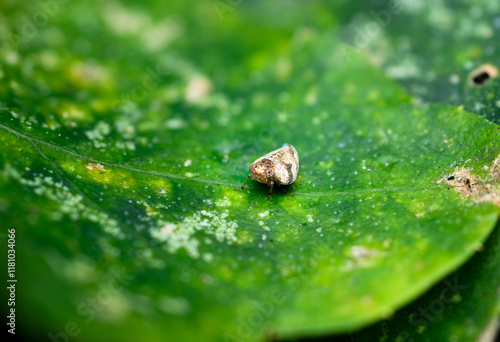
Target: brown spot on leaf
{"points": [[469, 185], [92, 167]]}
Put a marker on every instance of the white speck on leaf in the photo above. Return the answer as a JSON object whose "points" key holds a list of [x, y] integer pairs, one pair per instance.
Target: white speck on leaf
{"points": [[177, 236], [223, 202], [264, 214]]}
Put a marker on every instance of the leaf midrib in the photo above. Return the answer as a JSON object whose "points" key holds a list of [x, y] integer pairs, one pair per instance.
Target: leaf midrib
{"points": [[161, 174]]}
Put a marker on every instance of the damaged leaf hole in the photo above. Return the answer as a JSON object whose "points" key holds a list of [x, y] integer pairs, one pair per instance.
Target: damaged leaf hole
{"points": [[482, 75], [468, 185]]}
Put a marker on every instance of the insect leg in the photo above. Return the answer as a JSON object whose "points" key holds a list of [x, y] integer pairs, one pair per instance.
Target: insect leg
{"points": [[271, 190], [244, 183], [286, 192]]}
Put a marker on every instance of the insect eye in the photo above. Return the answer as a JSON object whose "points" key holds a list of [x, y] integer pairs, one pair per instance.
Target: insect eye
{"points": [[269, 171]]}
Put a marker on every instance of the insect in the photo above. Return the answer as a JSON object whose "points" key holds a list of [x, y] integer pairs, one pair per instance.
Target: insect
{"points": [[278, 167]]}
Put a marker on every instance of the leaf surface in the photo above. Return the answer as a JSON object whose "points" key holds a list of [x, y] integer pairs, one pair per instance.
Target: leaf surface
{"points": [[121, 189]]}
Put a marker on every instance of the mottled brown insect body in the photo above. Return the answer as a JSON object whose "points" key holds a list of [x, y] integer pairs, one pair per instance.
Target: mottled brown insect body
{"points": [[279, 167]]}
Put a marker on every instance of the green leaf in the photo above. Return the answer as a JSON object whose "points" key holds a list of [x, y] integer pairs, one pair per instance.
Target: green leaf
{"points": [[450, 310], [417, 46], [120, 161], [432, 48]]}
